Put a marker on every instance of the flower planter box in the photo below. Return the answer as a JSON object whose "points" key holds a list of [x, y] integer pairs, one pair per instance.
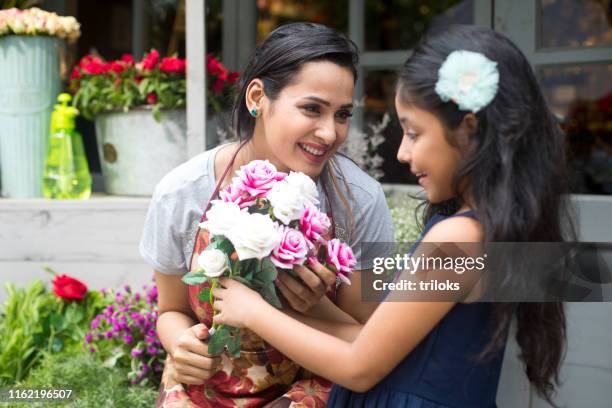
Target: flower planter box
{"points": [[136, 151], [29, 84]]}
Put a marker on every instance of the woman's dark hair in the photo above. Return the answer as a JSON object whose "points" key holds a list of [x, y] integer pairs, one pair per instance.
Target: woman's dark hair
{"points": [[515, 173], [278, 59]]}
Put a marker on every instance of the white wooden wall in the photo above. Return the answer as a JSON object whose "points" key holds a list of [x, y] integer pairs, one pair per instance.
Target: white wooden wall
{"points": [[94, 240]]}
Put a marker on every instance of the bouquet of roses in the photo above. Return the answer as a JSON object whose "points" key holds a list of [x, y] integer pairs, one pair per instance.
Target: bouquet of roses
{"points": [[264, 220]]}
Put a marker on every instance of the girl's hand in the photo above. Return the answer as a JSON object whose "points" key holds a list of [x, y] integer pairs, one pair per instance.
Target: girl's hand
{"points": [[236, 303], [315, 281]]}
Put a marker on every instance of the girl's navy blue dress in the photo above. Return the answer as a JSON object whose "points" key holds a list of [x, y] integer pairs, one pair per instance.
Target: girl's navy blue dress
{"points": [[442, 370]]}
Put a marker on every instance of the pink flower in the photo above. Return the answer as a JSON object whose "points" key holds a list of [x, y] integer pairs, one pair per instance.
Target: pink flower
{"points": [[314, 224], [235, 193], [291, 250], [340, 256], [258, 177]]}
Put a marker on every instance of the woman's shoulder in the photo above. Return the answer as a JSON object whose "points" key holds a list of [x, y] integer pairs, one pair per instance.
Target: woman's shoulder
{"points": [[356, 178], [189, 179]]}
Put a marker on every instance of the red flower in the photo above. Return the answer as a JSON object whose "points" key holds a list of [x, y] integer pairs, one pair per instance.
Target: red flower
{"points": [[217, 87], [152, 98], [95, 67], [116, 67], [69, 288], [128, 59], [150, 61], [213, 65], [172, 64], [76, 74], [233, 77]]}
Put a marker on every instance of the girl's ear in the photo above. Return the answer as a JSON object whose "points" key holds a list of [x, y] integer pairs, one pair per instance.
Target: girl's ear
{"points": [[465, 131], [255, 95]]}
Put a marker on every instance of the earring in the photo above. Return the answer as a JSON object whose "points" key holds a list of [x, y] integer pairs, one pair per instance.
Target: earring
{"points": [[253, 112]]}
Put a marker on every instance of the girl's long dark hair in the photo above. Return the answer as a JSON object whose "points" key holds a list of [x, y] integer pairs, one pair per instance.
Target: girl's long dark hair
{"points": [[515, 174]]}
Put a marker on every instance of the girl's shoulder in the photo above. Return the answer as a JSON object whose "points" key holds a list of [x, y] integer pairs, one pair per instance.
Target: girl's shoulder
{"points": [[460, 227]]}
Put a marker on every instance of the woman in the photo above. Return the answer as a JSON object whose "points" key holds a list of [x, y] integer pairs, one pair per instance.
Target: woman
{"points": [[293, 109]]}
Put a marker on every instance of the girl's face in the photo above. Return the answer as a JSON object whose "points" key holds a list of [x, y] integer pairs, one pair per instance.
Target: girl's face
{"points": [[424, 147], [308, 121]]}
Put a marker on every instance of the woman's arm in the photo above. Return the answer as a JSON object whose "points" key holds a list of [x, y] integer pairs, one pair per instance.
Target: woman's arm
{"points": [[178, 332]]}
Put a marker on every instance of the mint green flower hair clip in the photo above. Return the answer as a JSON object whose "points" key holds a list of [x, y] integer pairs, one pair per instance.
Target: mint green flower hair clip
{"points": [[469, 79]]}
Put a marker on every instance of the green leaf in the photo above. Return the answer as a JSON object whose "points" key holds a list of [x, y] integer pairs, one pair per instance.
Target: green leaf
{"points": [[268, 292], [268, 271], [217, 342], [204, 295], [226, 246], [112, 360], [243, 281], [195, 278], [233, 344], [57, 345], [57, 321]]}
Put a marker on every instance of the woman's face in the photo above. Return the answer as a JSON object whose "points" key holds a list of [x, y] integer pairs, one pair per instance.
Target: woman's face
{"points": [[425, 148], [305, 125]]}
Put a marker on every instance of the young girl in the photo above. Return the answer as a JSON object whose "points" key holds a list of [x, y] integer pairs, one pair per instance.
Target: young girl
{"points": [[485, 148], [293, 109]]}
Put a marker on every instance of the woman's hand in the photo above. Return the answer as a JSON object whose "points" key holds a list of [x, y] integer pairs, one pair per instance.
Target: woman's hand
{"points": [[315, 281], [191, 360], [236, 303]]}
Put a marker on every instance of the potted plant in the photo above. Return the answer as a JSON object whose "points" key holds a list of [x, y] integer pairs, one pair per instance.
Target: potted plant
{"points": [[29, 83], [139, 114]]}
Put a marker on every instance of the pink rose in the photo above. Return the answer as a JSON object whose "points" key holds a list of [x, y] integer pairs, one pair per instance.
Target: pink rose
{"points": [[235, 193], [258, 177], [291, 250], [314, 224], [340, 256]]}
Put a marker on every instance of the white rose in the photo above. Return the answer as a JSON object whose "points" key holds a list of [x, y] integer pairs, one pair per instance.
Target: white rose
{"points": [[307, 187], [287, 202], [221, 217], [254, 236], [213, 262]]}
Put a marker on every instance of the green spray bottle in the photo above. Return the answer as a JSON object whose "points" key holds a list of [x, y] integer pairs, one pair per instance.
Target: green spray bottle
{"points": [[66, 170]]}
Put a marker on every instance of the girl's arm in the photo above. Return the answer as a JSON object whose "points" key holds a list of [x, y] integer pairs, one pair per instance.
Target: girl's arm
{"points": [[392, 332], [326, 317]]}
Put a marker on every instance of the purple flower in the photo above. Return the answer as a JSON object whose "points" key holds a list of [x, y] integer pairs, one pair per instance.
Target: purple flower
{"points": [[104, 291], [136, 352], [88, 337], [128, 339], [95, 322], [109, 334], [127, 289], [152, 350], [137, 297]]}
